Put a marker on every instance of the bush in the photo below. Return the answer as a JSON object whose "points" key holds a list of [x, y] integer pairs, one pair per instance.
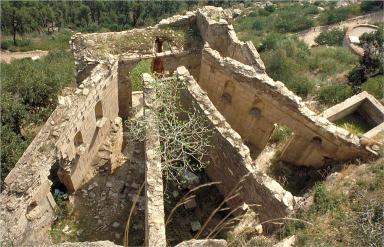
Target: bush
{"points": [[6, 44], [323, 200], [338, 14], [281, 133], [135, 75], [375, 86], [368, 6], [293, 22], [301, 86], [329, 61], [335, 36], [334, 94]]}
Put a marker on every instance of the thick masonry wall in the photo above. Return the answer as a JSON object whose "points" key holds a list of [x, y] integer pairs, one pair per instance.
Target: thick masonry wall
{"points": [[79, 145], [154, 210], [222, 37], [27, 206], [253, 102], [230, 159]]}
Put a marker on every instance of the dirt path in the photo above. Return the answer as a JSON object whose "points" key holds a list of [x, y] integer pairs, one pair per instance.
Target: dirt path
{"points": [[308, 36], [7, 57]]}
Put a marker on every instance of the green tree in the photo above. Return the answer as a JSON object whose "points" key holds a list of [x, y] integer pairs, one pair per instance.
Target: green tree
{"points": [[15, 17], [84, 15], [371, 64]]}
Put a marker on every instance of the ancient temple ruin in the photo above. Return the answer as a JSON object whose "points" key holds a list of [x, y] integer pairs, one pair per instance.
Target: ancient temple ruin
{"points": [[225, 78]]}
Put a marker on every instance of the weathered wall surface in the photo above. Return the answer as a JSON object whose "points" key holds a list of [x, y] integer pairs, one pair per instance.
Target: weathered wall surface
{"points": [[27, 207], [253, 102], [230, 159], [169, 61], [87, 130], [154, 210], [221, 36]]}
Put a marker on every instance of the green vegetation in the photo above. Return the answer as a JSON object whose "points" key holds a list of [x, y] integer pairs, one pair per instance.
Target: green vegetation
{"points": [[375, 86], [307, 72], [280, 19], [281, 133], [354, 123], [328, 62], [333, 94], [335, 15], [64, 226], [135, 75], [368, 6], [348, 212], [28, 96], [371, 64], [19, 17], [335, 36], [35, 41]]}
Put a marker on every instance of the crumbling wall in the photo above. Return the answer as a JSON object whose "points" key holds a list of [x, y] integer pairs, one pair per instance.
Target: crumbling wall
{"points": [[79, 144], [27, 208], [252, 102], [169, 60], [230, 159], [154, 210], [221, 36]]}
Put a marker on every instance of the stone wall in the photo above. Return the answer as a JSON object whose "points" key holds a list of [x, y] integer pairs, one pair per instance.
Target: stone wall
{"points": [[169, 61], [27, 207], [154, 210], [87, 128], [252, 102], [221, 36], [230, 159]]}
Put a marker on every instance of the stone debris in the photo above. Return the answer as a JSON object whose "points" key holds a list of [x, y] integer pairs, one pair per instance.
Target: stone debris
{"points": [[195, 226], [190, 204], [115, 224], [191, 179]]}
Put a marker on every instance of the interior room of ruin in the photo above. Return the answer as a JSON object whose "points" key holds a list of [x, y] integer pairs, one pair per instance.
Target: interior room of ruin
{"points": [[85, 151]]}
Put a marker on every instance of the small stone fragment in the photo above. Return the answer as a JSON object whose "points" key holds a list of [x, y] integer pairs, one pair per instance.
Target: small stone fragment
{"points": [[195, 225]]}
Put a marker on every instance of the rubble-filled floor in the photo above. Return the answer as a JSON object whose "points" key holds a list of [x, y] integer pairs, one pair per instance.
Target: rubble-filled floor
{"points": [[103, 204], [188, 219]]}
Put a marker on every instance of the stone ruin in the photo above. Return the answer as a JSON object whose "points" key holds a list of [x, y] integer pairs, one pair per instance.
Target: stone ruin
{"points": [[225, 78]]}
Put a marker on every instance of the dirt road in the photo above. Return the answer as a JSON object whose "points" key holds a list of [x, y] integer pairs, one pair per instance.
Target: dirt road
{"points": [[7, 57], [308, 36]]}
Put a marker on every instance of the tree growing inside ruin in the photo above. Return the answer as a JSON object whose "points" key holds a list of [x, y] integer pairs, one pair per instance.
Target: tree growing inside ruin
{"points": [[184, 134]]}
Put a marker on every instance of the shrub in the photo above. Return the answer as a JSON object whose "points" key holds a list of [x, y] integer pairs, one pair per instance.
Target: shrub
{"points": [[375, 86], [335, 36], [338, 14], [329, 61], [334, 94], [368, 6], [29, 90], [6, 44], [293, 22], [301, 86], [323, 200], [135, 75], [281, 133]]}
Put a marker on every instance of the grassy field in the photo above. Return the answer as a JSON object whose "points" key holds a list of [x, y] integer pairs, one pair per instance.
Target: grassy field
{"points": [[35, 41]]}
